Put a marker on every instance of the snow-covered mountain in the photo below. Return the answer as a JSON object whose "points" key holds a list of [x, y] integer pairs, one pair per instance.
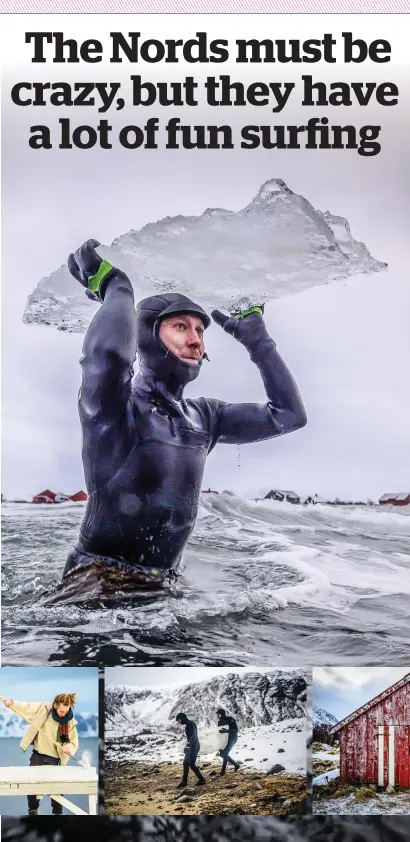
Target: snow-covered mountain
{"points": [[253, 698], [323, 722], [323, 717], [270, 709], [12, 725], [276, 245]]}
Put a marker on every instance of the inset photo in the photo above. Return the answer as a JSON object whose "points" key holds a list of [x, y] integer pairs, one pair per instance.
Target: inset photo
{"points": [[361, 740], [205, 741], [48, 741]]}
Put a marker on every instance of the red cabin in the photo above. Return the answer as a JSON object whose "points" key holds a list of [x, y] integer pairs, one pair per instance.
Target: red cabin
{"points": [[45, 497], [80, 496], [402, 499], [375, 739]]}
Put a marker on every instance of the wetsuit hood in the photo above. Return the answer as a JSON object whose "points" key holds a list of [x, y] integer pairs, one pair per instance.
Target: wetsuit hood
{"points": [[152, 353], [182, 717]]}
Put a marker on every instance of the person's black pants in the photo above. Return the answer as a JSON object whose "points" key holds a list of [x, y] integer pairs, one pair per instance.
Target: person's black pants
{"points": [[225, 752], [38, 759], [190, 756]]}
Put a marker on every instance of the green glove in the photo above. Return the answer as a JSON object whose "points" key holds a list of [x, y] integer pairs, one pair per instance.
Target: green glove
{"points": [[257, 308], [87, 267]]}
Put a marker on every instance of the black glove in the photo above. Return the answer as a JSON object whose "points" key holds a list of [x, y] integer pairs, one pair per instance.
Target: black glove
{"points": [[92, 272], [223, 731], [248, 327]]}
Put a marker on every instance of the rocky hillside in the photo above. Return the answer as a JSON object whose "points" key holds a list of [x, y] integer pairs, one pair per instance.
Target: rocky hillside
{"points": [[253, 698]]}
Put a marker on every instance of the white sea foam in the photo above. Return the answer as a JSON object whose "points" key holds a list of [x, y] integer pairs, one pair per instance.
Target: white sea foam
{"points": [[245, 561], [86, 759]]}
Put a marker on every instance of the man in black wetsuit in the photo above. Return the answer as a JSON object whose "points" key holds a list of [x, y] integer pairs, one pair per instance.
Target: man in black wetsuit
{"points": [[232, 731], [191, 750], [144, 444]]}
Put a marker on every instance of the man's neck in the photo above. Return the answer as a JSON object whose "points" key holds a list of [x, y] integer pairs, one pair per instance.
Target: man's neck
{"points": [[169, 391]]}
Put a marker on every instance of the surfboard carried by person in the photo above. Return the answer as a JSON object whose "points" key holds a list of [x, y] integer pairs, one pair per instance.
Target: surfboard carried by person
{"points": [[229, 726]]}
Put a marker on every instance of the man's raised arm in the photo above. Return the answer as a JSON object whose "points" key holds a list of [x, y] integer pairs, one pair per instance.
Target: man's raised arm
{"points": [[110, 344], [284, 412]]}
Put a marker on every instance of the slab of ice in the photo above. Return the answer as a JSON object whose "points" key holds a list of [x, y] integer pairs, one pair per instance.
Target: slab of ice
{"points": [[277, 245]]}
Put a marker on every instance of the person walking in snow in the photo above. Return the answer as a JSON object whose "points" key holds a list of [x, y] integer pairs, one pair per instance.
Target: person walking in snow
{"points": [[191, 750], [53, 735], [232, 731], [144, 444]]}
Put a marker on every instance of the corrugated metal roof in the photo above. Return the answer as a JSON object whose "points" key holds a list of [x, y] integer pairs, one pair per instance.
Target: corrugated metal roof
{"points": [[403, 496], [371, 703]]}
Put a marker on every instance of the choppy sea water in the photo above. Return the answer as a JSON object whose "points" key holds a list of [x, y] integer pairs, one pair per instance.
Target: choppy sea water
{"points": [[265, 583]]}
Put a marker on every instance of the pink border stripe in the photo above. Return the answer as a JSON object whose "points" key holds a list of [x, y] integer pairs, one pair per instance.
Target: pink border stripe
{"points": [[204, 6]]}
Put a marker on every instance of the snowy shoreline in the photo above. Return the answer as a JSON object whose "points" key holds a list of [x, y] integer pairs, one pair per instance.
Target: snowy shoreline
{"points": [[258, 748]]}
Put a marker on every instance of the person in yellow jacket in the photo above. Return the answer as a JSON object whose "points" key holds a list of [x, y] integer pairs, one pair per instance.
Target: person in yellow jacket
{"points": [[52, 733]]}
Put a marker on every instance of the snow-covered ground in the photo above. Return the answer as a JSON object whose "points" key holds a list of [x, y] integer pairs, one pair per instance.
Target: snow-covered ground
{"points": [[262, 745], [326, 777], [257, 748], [320, 780], [383, 804]]}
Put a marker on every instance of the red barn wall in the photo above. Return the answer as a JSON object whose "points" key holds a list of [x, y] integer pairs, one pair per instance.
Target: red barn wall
{"points": [[359, 747], [79, 496]]}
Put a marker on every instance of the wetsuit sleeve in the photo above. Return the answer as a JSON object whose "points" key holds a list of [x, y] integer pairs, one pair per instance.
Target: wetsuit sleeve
{"points": [[282, 413], [109, 352]]}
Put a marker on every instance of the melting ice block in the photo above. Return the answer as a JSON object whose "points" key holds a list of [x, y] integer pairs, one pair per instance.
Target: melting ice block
{"points": [[277, 245]]}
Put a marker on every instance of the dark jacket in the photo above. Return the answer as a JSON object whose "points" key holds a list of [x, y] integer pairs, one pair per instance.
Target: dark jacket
{"points": [[230, 722]]}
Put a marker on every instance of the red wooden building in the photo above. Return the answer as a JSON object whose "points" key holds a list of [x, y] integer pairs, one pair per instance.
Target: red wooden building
{"points": [[375, 739], [46, 496], [402, 499]]}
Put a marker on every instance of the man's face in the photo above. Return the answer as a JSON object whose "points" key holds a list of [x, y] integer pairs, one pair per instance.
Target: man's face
{"points": [[183, 336], [61, 710]]}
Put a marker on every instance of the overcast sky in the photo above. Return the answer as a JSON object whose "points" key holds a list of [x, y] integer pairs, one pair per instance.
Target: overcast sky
{"points": [[347, 344], [341, 690], [36, 684], [162, 676]]}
